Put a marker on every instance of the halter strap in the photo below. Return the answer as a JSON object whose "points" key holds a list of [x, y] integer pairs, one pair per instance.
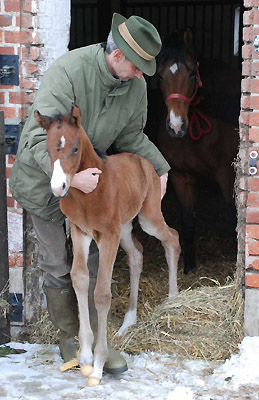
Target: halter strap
{"points": [[186, 99]]}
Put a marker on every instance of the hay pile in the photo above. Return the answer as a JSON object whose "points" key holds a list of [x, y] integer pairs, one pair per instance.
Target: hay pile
{"points": [[202, 323]]}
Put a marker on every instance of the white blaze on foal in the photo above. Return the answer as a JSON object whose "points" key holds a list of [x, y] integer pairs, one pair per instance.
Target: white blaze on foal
{"points": [[59, 180]]}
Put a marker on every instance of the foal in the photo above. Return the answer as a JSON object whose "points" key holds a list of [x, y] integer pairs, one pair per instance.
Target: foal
{"points": [[128, 186]]}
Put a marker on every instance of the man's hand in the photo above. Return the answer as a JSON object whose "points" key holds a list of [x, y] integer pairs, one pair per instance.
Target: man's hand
{"points": [[86, 180], [163, 181]]}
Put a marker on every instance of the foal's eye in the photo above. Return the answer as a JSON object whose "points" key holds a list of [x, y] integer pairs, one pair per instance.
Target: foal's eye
{"points": [[75, 151]]}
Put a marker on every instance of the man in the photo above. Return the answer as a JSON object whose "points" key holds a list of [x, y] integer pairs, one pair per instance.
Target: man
{"points": [[105, 81]]}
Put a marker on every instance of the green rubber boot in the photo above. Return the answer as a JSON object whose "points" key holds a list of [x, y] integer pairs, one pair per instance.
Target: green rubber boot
{"points": [[115, 363], [63, 312]]}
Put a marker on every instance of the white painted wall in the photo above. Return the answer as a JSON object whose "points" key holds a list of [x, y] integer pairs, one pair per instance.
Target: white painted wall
{"points": [[53, 28]]}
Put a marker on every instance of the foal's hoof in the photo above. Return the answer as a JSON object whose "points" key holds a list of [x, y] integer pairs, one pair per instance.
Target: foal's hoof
{"points": [[93, 381], [87, 370]]}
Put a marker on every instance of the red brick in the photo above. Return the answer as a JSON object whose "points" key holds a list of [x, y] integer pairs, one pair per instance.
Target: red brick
{"points": [[254, 119], [246, 51], [255, 68], [252, 216], [27, 6], [253, 199], [252, 232], [12, 260], [27, 84], [254, 135], [255, 264], [246, 85], [246, 68], [30, 67], [247, 33], [256, 16], [19, 260], [12, 5], [248, 17], [254, 102], [6, 50], [16, 37], [10, 202], [5, 20], [2, 100], [253, 184], [35, 52], [253, 248], [24, 21], [254, 85], [8, 171], [252, 280], [245, 102], [14, 97], [11, 158], [250, 3], [244, 117], [9, 112]]}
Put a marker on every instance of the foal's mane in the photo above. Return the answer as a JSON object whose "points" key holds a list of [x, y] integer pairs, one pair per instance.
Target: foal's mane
{"points": [[175, 48]]}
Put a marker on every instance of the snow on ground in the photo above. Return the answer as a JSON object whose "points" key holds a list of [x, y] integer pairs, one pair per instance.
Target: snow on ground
{"points": [[35, 375]]}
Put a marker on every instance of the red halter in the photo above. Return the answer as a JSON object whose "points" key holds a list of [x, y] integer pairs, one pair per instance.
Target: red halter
{"points": [[185, 98], [195, 111]]}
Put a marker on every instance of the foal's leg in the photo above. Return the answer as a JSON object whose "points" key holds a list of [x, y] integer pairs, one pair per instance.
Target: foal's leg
{"points": [[108, 246], [152, 221], [134, 251], [80, 281]]}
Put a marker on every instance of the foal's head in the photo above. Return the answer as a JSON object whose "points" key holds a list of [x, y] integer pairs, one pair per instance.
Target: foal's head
{"points": [[179, 79], [63, 143]]}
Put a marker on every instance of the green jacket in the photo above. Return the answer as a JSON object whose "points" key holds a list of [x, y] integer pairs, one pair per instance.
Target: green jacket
{"points": [[113, 112]]}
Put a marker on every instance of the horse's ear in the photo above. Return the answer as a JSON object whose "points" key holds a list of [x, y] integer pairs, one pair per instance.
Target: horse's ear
{"points": [[75, 115], [43, 120], [188, 37]]}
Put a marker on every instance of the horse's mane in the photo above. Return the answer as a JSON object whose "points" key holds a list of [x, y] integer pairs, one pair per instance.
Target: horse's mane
{"points": [[174, 47]]}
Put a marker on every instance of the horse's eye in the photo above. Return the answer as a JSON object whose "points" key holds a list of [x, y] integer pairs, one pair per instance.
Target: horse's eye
{"points": [[193, 73], [75, 151]]}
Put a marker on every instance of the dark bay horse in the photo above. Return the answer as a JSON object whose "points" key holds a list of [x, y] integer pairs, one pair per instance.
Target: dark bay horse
{"points": [[197, 137], [128, 186]]}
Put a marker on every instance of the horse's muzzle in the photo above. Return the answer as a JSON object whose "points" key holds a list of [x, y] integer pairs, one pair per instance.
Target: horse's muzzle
{"points": [[179, 134]]}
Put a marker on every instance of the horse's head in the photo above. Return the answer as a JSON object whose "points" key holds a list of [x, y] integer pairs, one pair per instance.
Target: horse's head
{"points": [[63, 143], [179, 79]]}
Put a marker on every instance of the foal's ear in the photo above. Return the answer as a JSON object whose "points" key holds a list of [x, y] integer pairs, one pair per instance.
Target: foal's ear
{"points": [[43, 120], [188, 37], [75, 115]]}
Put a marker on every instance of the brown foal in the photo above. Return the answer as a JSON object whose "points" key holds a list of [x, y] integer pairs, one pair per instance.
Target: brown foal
{"points": [[128, 186]]}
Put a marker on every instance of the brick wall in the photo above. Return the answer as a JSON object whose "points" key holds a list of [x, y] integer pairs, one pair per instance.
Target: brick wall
{"points": [[18, 34], [37, 31], [248, 192]]}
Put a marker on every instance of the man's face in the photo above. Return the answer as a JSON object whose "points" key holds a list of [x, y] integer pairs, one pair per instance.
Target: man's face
{"points": [[126, 70]]}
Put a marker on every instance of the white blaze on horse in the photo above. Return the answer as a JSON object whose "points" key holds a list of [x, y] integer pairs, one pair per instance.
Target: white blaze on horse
{"points": [[127, 187]]}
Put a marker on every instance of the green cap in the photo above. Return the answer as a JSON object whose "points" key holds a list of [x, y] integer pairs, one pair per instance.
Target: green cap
{"points": [[138, 40]]}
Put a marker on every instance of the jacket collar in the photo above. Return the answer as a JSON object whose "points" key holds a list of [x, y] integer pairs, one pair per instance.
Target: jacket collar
{"points": [[106, 78]]}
